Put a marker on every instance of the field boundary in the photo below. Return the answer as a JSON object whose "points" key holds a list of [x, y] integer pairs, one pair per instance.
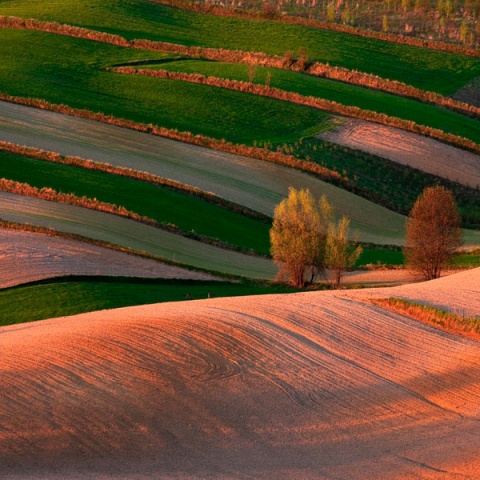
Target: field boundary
{"points": [[54, 157], [49, 194], [225, 11], [315, 102], [250, 58]]}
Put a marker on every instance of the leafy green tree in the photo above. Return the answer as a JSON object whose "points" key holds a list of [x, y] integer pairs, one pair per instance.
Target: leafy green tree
{"points": [[340, 255], [298, 236], [433, 232]]}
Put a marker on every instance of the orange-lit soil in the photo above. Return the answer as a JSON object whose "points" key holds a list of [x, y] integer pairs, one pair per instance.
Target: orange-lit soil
{"points": [[410, 149], [27, 257], [305, 386]]}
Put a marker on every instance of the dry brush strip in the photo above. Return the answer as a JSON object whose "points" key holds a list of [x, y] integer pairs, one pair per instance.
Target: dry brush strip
{"points": [[448, 321], [251, 58], [187, 137], [309, 101], [52, 195], [54, 157]]}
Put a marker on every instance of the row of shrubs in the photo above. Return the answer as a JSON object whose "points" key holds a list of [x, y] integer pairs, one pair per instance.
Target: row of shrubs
{"points": [[131, 173], [287, 62], [187, 137], [46, 193], [331, 106], [225, 11]]}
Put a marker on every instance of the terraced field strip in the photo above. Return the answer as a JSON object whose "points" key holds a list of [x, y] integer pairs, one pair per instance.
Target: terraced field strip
{"points": [[130, 234], [80, 81], [269, 386], [246, 181], [410, 149], [334, 97], [27, 257], [441, 72]]}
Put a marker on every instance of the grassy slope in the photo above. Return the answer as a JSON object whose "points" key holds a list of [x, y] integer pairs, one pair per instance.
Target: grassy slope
{"points": [[159, 203], [61, 298], [429, 70], [343, 93], [70, 71]]}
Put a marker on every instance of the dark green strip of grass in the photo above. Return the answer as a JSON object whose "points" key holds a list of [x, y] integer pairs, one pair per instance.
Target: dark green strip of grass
{"points": [[188, 212], [384, 182], [426, 69], [64, 70], [343, 93], [74, 296]]}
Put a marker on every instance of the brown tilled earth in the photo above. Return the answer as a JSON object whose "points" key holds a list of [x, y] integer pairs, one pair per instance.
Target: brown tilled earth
{"points": [[314, 385], [27, 257], [410, 149]]}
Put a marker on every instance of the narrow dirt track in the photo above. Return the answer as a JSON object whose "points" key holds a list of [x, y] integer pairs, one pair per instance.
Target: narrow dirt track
{"points": [[27, 257], [304, 386], [410, 149]]}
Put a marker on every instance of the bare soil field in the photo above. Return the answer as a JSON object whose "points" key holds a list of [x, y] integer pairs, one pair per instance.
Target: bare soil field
{"points": [[410, 149], [27, 257], [304, 386]]}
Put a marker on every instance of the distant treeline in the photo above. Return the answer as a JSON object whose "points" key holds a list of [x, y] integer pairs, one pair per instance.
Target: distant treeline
{"points": [[381, 27], [288, 62]]}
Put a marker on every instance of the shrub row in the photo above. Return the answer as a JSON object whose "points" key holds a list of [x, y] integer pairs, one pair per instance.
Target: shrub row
{"points": [[252, 58], [187, 137], [131, 173], [52, 195], [331, 106], [225, 11]]}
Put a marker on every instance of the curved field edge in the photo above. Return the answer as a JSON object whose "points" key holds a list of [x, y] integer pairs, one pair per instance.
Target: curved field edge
{"points": [[139, 199], [132, 235], [31, 254], [308, 376], [256, 184], [73, 295], [157, 23], [315, 102], [251, 58]]}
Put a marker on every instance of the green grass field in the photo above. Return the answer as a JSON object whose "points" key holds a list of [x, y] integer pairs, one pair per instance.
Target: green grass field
{"points": [[429, 70], [70, 71], [343, 93], [162, 204], [73, 296]]}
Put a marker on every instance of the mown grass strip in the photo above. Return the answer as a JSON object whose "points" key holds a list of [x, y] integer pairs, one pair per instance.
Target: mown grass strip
{"points": [[80, 81], [440, 72], [253, 59], [142, 201], [320, 103], [71, 296], [448, 321]]}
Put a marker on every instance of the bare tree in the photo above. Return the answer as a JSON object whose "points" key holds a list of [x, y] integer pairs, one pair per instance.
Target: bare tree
{"points": [[433, 232]]}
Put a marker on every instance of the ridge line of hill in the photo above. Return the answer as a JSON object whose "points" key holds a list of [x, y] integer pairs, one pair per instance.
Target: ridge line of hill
{"points": [[318, 69]]}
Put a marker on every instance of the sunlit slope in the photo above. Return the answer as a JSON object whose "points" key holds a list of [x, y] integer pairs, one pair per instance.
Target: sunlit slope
{"points": [[307, 386], [429, 70], [134, 235], [256, 184]]}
